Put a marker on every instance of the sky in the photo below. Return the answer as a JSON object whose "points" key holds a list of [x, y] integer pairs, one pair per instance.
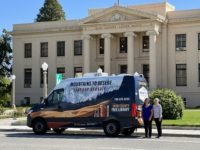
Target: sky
{"points": [[25, 11]]}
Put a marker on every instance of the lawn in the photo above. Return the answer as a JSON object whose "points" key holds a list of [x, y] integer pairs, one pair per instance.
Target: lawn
{"points": [[191, 117]]}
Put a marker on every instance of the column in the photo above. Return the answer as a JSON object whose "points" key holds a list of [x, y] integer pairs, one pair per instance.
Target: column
{"points": [[107, 51], [130, 54], [152, 59], [86, 53]]}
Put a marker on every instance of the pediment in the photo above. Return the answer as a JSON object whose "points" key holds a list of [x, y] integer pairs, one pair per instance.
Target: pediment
{"points": [[118, 13]]}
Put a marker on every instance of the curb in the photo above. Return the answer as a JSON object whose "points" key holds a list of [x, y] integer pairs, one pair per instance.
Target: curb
{"points": [[99, 132]]}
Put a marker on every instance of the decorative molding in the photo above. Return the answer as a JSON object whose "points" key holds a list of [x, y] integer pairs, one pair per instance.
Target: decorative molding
{"points": [[86, 37], [117, 17], [106, 35], [153, 32], [127, 34]]}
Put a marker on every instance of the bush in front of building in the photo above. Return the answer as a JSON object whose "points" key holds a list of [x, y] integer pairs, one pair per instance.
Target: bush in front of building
{"points": [[172, 103]]}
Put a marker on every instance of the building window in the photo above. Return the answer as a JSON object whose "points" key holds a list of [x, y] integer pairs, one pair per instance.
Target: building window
{"points": [[101, 46], [41, 77], [78, 71], [102, 67], [199, 73], [61, 70], [61, 48], [181, 75], [180, 42], [145, 43], [27, 78], [27, 101], [27, 50], [198, 41], [77, 47], [123, 69], [145, 69], [44, 49], [123, 44]]}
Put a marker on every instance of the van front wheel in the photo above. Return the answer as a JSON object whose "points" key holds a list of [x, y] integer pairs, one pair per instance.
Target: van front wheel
{"points": [[39, 126], [59, 130], [111, 128]]}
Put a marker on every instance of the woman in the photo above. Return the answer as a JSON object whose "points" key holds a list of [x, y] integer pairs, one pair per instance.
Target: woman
{"points": [[157, 113], [147, 114]]}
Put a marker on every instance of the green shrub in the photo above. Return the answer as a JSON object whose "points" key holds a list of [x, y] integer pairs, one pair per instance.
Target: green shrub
{"points": [[172, 104], [5, 100]]}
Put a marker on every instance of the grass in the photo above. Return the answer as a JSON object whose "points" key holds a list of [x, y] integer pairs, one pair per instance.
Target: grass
{"points": [[191, 117]]}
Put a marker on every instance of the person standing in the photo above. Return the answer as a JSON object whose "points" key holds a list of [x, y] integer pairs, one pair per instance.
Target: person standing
{"points": [[147, 113], [157, 114]]}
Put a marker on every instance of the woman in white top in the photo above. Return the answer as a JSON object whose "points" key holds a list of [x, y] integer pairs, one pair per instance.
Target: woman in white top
{"points": [[157, 114]]}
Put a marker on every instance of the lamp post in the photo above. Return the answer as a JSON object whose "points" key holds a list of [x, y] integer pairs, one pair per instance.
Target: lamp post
{"points": [[13, 77], [44, 68]]}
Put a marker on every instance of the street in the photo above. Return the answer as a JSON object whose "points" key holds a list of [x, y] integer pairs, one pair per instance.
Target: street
{"points": [[51, 141]]}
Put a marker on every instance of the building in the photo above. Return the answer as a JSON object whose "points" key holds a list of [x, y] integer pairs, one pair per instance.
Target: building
{"points": [[153, 39]]}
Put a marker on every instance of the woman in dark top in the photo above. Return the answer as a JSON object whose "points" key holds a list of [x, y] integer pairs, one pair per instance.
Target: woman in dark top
{"points": [[147, 114]]}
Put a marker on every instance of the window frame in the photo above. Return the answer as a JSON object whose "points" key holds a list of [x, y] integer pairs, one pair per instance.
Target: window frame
{"points": [[120, 68], [198, 41], [58, 71], [60, 48], [177, 77], [27, 79], [75, 72], [145, 49], [101, 46], [78, 47], [27, 50], [44, 49], [180, 42], [123, 45], [146, 71]]}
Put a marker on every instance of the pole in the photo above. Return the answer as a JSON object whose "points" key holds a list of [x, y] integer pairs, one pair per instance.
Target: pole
{"points": [[45, 84], [13, 94]]}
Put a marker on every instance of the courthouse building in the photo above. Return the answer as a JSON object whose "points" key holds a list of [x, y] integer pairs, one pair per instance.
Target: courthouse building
{"points": [[151, 39]]}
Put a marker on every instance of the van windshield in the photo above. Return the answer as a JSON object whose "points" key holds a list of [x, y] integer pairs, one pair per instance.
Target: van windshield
{"points": [[56, 96]]}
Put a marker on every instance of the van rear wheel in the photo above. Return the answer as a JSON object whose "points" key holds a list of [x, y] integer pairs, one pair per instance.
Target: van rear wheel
{"points": [[39, 126], [59, 130], [111, 128], [128, 131]]}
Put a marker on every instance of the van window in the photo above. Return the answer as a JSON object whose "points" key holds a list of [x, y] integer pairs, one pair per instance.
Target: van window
{"points": [[56, 96]]}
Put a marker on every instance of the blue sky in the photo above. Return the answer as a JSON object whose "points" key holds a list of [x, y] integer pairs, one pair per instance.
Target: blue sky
{"points": [[25, 11]]}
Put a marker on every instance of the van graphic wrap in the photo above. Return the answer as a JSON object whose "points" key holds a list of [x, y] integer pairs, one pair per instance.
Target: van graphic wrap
{"points": [[85, 102]]}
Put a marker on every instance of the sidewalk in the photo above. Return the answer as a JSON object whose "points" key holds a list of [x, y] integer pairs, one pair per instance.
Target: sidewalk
{"points": [[5, 125]]}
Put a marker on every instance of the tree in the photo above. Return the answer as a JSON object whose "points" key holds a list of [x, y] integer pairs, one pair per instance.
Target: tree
{"points": [[5, 54], [51, 11], [5, 67], [172, 104]]}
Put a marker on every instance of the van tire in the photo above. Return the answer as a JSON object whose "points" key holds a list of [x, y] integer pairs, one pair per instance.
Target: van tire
{"points": [[59, 130], [39, 126], [111, 128], [128, 131]]}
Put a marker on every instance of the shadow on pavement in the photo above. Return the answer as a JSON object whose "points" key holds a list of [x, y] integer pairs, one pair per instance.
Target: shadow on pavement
{"points": [[66, 136]]}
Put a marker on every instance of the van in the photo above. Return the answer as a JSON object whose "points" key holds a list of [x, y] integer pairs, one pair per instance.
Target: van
{"points": [[110, 102]]}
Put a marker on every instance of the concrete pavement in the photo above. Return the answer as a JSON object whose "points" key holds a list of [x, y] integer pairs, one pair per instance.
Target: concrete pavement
{"points": [[6, 125]]}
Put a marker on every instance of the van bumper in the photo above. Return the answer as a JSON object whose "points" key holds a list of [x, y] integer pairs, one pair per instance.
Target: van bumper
{"points": [[29, 121]]}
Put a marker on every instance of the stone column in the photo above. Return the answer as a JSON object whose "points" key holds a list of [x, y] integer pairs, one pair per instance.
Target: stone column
{"points": [[86, 53], [152, 59], [130, 55], [107, 51]]}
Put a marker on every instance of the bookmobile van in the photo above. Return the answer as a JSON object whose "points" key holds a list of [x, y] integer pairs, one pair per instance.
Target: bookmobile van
{"points": [[109, 102]]}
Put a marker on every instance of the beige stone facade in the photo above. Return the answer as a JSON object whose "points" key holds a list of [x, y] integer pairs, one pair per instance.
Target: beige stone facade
{"points": [[160, 42]]}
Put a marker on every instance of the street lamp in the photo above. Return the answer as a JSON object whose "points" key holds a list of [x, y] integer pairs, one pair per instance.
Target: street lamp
{"points": [[13, 77], [44, 68]]}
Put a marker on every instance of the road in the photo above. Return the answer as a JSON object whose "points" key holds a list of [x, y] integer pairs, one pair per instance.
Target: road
{"points": [[51, 141]]}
